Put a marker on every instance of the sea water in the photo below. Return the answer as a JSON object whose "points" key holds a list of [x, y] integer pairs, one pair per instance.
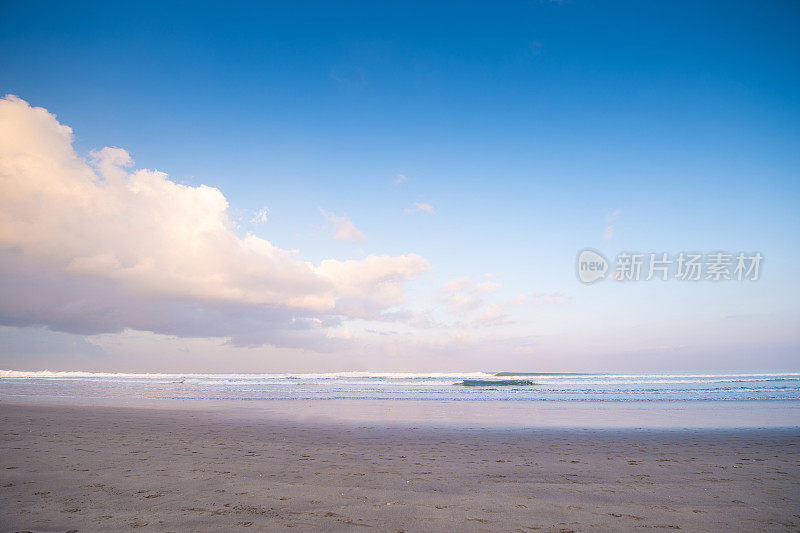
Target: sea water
{"points": [[453, 386]]}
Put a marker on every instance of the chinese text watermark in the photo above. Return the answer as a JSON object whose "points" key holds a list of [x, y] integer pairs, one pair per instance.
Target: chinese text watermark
{"points": [[592, 266]]}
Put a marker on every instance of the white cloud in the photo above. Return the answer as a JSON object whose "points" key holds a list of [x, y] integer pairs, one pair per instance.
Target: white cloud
{"points": [[459, 295], [518, 300], [401, 178], [537, 298], [92, 245], [421, 207], [462, 297], [492, 316], [488, 287], [456, 285], [462, 302], [425, 319], [344, 228], [261, 216], [611, 216], [368, 286], [340, 334], [549, 298]]}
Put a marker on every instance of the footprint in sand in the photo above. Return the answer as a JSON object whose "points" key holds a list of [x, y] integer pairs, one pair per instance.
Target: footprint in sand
{"points": [[623, 515]]}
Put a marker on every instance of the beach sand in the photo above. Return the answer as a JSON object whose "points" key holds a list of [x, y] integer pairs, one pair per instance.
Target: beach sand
{"points": [[114, 468]]}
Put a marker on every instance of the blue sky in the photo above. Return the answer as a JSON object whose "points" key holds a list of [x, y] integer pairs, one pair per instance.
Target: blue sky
{"points": [[529, 128]]}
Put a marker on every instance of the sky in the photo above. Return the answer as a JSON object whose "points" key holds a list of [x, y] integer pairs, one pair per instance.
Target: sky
{"points": [[197, 187]]}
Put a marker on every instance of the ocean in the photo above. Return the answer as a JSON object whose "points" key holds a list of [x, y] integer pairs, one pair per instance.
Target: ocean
{"points": [[455, 386]]}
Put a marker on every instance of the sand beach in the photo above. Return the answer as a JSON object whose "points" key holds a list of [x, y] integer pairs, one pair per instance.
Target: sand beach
{"points": [[91, 468]]}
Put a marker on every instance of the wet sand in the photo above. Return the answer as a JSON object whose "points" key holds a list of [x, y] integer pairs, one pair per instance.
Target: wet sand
{"points": [[117, 468]]}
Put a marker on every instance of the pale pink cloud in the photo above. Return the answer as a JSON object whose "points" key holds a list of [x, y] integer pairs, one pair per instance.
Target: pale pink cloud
{"points": [[460, 296], [611, 216], [421, 207], [492, 316], [488, 287], [456, 285], [344, 228]]}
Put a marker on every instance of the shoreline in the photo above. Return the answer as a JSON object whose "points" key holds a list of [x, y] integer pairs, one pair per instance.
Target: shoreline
{"points": [[728, 414], [156, 468]]}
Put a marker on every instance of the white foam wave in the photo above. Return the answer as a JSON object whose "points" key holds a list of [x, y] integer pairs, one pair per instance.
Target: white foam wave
{"points": [[310, 376]]}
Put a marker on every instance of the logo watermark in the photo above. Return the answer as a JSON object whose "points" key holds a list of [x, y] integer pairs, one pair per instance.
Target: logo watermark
{"points": [[592, 266]]}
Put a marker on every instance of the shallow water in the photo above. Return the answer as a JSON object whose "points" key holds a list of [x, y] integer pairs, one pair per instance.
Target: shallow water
{"points": [[553, 400]]}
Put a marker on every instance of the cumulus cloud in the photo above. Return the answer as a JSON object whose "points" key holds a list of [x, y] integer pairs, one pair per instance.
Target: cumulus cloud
{"points": [[421, 207], [92, 245], [367, 287], [344, 228]]}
